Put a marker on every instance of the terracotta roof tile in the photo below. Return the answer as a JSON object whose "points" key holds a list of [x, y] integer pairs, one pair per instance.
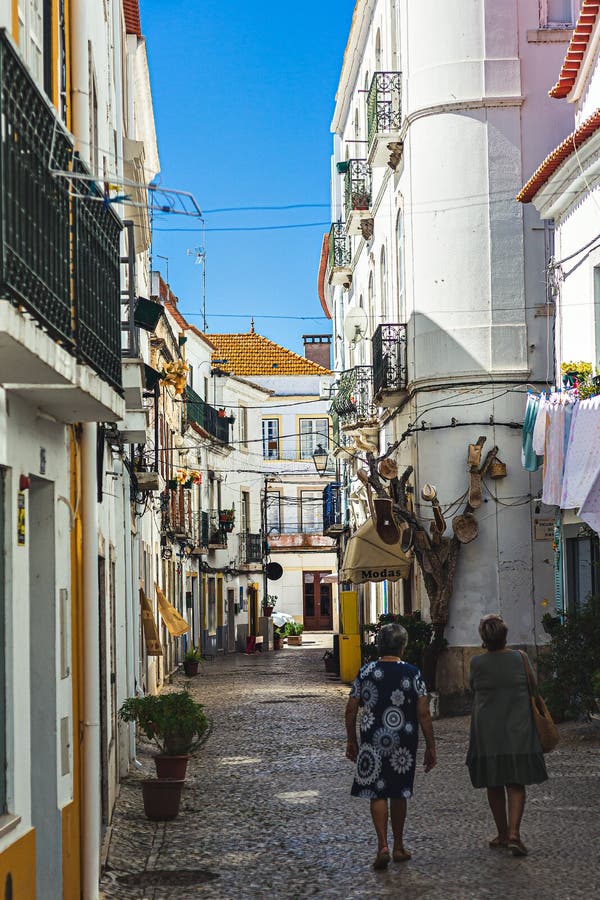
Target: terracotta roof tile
{"points": [[252, 354], [555, 159], [131, 11], [577, 48]]}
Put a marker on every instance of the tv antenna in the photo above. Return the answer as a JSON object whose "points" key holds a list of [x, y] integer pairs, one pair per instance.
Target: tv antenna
{"points": [[199, 254], [356, 322]]}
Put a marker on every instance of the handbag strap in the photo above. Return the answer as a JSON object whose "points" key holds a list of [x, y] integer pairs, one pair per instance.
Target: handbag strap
{"points": [[533, 691]]}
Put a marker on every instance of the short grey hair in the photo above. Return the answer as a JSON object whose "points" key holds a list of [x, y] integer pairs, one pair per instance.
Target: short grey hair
{"points": [[392, 639], [493, 632]]}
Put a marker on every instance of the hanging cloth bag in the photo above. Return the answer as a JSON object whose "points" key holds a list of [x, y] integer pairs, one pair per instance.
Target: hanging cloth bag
{"points": [[544, 724]]}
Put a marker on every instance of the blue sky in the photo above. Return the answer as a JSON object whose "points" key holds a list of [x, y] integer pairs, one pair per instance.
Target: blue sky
{"points": [[243, 99]]}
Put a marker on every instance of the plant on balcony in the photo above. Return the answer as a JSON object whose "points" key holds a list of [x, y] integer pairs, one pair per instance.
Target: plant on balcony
{"points": [[181, 476], [360, 200], [227, 520], [172, 484], [175, 374]]}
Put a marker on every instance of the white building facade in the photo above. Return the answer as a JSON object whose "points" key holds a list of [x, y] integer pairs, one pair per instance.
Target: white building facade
{"points": [[433, 278]]}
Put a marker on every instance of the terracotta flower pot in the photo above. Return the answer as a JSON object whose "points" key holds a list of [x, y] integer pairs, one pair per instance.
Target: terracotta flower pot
{"points": [[294, 640], [173, 767], [190, 667], [161, 798], [278, 643], [268, 611]]}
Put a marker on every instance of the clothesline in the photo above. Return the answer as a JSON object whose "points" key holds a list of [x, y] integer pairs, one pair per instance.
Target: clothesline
{"points": [[561, 434]]}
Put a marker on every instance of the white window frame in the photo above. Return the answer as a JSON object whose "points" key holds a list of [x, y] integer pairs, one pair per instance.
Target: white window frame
{"points": [[549, 19], [243, 420], [274, 518], [311, 433], [30, 14], [270, 436], [310, 509]]}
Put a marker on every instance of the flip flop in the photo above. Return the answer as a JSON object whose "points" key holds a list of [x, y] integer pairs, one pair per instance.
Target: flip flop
{"points": [[382, 860], [401, 855], [498, 844], [517, 847]]}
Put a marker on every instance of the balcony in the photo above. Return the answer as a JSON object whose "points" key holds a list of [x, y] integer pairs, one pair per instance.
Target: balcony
{"points": [[251, 548], [53, 344], [390, 375], [338, 264], [353, 404], [333, 522], [202, 414], [200, 532], [217, 536], [357, 199], [384, 118]]}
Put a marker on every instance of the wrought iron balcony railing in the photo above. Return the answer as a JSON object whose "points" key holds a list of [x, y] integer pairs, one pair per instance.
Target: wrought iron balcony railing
{"points": [[339, 248], [357, 187], [200, 530], [206, 416], [251, 548], [384, 105], [37, 213], [353, 403], [333, 522], [217, 536], [390, 373]]}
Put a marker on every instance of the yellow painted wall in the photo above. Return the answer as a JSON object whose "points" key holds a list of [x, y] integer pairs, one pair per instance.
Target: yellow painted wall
{"points": [[18, 861]]}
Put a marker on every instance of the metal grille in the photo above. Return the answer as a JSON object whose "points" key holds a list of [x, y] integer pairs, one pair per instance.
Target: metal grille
{"points": [[339, 247], [34, 206], [389, 358], [98, 289], [357, 186], [250, 548], [206, 416], [384, 104], [353, 403]]}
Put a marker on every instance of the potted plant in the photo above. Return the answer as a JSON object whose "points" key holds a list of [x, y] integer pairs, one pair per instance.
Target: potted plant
{"points": [[269, 603], [174, 722], [172, 484], [278, 638], [293, 632], [192, 660]]}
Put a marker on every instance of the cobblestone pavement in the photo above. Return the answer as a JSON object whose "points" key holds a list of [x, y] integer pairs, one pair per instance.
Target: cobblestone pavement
{"points": [[266, 810]]}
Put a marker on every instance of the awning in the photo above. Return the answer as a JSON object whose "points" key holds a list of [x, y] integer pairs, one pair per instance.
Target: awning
{"points": [[151, 635], [367, 558], [332, 578], [173, 619]]}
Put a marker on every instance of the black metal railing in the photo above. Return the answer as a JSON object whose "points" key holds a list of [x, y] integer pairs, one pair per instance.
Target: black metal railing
{"points": [[200, 529], [384, 104], [35, 255], [339, 247], [217, 535], [206, 416], [357, 186], [353, 403], [389, 358], [251, 547], [45, 234], [332, 509], [98, 284]]}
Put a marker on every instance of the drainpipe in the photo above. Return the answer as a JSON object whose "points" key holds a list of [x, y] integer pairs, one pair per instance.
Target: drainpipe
{"points": [[90, 651]]}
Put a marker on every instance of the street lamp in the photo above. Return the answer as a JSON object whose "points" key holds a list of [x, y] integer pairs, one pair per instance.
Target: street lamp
{"points": [[320, 459]]}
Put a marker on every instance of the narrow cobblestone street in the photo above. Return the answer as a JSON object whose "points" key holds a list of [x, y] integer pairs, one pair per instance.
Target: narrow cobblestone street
{"points": [[266, 810]]}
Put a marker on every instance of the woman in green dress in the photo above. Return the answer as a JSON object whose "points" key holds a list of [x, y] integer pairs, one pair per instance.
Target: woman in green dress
{"points": [[504, 749]]}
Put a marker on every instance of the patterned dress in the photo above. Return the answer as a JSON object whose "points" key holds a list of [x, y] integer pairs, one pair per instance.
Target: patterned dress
{"points": [[389, 734]]}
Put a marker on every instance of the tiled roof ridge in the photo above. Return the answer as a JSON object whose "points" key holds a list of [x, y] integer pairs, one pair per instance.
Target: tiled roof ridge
{"points": [[577, 49], [555, 159], [309, 366]]}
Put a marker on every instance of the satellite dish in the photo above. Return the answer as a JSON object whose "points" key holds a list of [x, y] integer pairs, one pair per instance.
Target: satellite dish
{"points": [[355, 325], [274, 571]]}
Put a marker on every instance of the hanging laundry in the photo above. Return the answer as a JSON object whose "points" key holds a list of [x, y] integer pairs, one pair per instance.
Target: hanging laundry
{"points": [[582, 463], [539, 429], [554, 456], [530, 460]]}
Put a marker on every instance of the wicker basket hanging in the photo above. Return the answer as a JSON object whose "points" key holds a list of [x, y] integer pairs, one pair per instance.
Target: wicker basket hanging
{"points": [[497, 468]]}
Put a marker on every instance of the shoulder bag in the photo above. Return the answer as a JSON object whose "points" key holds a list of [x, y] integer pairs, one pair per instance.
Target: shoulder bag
{"points": [[544, 724]]}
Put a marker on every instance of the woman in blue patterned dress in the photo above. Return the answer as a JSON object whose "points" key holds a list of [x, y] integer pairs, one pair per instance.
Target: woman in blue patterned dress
{"points": [[394, 703]]}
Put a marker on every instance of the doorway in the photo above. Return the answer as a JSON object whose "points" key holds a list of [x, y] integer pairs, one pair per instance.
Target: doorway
{"points": [[252, 609], [318, 608], [45, 815], [230, 620]]}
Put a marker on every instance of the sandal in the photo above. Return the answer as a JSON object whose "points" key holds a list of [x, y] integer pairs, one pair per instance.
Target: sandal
{"points": [[517, 847], [382, 860], [498, 843], [401, 855]]}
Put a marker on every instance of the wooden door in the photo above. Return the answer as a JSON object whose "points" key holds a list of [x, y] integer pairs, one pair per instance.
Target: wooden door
{"points": [[318, 609]]}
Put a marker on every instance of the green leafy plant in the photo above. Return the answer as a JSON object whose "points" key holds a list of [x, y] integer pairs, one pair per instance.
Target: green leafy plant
{"points": [[583, 369], [173, 721], [569, 667], [193, 654], [419, 637], [292, 629], [270, 600]]}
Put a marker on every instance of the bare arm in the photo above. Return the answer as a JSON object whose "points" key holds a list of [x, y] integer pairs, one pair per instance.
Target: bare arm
{"points": [[351, 716], [424, 717]]}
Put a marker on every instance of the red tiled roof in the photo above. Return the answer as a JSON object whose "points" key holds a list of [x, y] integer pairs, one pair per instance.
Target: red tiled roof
{"points": [[321, 276], [253, 354], [131, 11], [577, 48], [555, 159]]}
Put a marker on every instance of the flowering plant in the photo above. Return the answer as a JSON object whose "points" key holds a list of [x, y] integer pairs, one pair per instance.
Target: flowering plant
{"points": [[181, 476], [196, 477]]}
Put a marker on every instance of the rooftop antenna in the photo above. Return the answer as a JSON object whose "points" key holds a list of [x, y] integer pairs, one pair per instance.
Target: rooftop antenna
{"points": [[199, 254]]}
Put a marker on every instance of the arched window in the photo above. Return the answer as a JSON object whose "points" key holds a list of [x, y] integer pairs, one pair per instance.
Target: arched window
{"points": [[400, 259], [383, 284]]}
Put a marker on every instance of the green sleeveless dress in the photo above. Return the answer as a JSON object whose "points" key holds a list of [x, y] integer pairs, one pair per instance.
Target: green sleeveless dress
{"points": [[504, 747]]}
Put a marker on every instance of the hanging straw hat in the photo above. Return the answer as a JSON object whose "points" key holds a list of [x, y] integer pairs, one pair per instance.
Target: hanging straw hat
{"points": [[429, 492], [465, 528], [388, 469]]}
